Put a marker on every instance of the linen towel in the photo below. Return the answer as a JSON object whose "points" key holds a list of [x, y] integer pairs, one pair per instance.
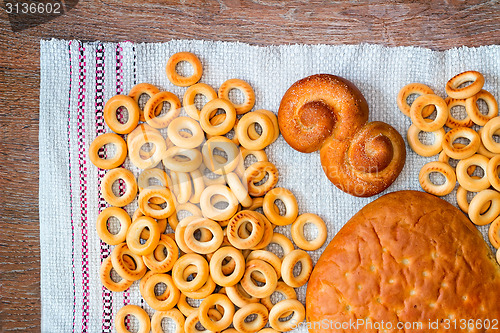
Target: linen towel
{"points": [[78, 78]]}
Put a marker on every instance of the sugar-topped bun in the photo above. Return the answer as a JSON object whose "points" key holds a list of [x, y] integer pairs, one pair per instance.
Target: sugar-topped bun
{"points": [[328, 113]]}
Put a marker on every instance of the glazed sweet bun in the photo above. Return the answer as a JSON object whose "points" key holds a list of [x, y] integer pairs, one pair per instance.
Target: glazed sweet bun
{"points": [[328, 113], [406, 257]]}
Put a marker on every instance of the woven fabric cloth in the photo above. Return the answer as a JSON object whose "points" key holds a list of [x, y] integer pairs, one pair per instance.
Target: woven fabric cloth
{"points": [[78, 78]]}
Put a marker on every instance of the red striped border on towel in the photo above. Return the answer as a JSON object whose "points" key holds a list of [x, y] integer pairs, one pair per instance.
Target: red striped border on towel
{"points": [[70, 188], [107, 296], [82, 171]]}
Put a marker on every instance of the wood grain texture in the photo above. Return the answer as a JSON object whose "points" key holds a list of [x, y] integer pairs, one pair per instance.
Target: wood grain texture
{"points": [[437, 25]]}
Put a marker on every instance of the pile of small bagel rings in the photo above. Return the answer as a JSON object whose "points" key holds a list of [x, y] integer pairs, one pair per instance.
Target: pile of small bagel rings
{"points": [[481, 151], [218, 250]]}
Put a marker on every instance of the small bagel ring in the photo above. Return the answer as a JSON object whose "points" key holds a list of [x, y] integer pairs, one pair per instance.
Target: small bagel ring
{"points": [[243, 326], [453, 122], [145, 134], [179, 233], [117, 258], [163, 304], [487, 132], [144, 89], [479, 201], [492, 172], [201, 247], [242, 86], [192, 163], [252, 132], [155, 102], [423, 149], [238, 221], [212, 301], [192, 140], [270, 278], [112, 106], [212, 212], [298, 232], [108, 163], [216, 264], [462, 199], [138, 313], [107, 187], [494, 233], [444, 169], [413, 89], [160, 192], [239, 296], [255, 173], [102, 225], [462, 93], [206, 114], [142, 287], [215, 165], [173, 314], [157, 265], [176, 78], [461, 152], [288, 200], [250, 119], [465, 180], [288, 264], [418, 119], [268, 257], [190, 94], [283, 242], [134, 236], [282, 308], [476, 115], [108, 282], [202, 272]]}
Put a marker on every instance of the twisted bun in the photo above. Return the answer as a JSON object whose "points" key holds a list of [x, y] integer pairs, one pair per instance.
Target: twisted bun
{"points": [[328, 113]]}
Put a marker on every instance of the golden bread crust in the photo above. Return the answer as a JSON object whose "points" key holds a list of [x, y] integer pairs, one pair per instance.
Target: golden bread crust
{"points": [[406, 257]]}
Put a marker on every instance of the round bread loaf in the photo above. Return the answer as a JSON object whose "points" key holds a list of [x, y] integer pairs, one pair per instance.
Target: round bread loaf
{"points": [[407, 257]]}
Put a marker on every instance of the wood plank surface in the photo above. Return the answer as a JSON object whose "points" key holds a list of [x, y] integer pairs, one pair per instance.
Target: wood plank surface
{"points": [[437, 25]]}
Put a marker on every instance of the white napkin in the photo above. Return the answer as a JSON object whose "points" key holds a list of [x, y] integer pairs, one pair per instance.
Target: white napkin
{"points": [[72, 76]]}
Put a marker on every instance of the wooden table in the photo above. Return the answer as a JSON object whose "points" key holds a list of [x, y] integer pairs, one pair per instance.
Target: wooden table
{"points": [[437, 25]]}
